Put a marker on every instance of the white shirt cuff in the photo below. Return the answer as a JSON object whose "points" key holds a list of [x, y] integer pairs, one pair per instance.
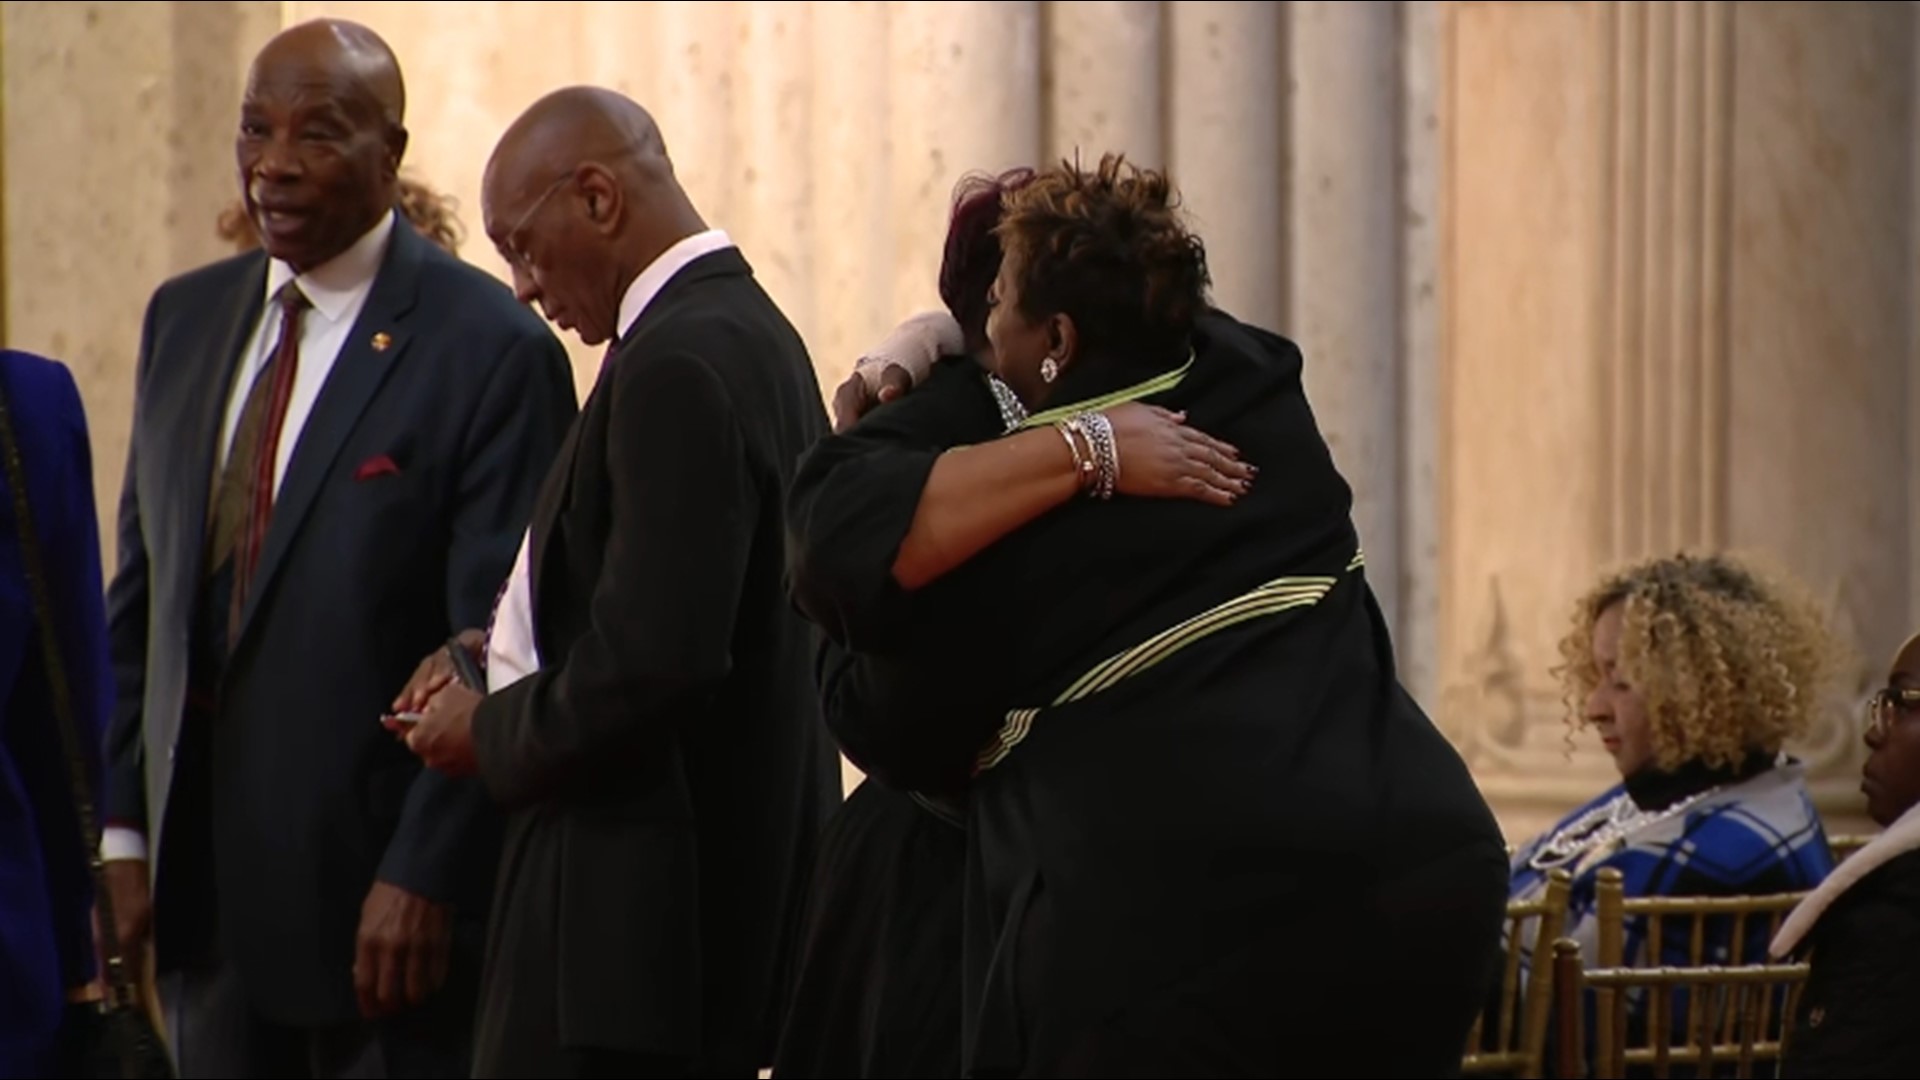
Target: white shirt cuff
{"points": [[117, 844]]}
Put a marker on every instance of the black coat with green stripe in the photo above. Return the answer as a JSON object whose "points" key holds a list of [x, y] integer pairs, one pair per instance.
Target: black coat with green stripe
{"points": [[1256, 776]]}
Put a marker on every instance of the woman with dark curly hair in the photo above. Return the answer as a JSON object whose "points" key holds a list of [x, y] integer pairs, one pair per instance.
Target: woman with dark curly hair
{"points": [[1202, 815], [876, 991], [1695, 672]]}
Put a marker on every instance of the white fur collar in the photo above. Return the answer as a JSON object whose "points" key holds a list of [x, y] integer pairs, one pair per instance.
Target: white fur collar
{"points": [[1900, 837]]}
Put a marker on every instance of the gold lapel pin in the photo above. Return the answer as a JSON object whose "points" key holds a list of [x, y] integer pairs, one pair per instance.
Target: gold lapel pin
{"points": [[381, 340]]}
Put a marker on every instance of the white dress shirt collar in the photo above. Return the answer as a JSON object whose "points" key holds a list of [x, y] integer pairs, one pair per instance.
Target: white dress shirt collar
{"points": [[650, 281], [335, 285]]}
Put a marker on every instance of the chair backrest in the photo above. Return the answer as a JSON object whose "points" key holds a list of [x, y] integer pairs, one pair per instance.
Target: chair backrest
{"points": [[1845, 845], [1510, 1037], [1733, 1016], [1743, 923]]}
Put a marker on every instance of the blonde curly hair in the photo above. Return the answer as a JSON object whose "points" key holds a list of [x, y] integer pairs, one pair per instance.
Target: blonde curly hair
{"points": [[432, 213], [1728, 659]]}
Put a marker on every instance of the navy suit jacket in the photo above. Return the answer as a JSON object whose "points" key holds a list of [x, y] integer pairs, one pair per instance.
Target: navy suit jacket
{"points": [[364, 570], [46, 895]]}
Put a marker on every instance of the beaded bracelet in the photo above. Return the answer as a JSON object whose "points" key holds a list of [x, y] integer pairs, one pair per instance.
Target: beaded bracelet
{"points": [[1106, 453]]}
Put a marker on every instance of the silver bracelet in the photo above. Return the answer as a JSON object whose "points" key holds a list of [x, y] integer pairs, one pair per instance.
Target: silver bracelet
{"points": [[1106, 453]]}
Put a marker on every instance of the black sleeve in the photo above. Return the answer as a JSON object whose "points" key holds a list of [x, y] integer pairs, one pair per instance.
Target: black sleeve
{"points": [[854, 496], [914, 720], [897, 699], [661, 621], [1856, 1017]]}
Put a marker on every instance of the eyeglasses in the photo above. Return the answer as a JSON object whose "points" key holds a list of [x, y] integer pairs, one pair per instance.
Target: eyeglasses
{"points": [[510, 244], [1887, 705]]}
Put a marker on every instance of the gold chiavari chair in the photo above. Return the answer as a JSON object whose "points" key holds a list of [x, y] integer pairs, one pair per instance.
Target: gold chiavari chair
{"points": [[1737, 1016], [1845, 845], [1613, 910], [1518, 1022]]}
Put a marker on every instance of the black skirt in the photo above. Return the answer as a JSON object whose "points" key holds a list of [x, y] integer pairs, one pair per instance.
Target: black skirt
{"points": [[877, 987]]}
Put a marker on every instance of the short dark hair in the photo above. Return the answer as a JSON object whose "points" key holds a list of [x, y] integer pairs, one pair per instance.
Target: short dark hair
{"points": [[1108, 248], [971, 259]]}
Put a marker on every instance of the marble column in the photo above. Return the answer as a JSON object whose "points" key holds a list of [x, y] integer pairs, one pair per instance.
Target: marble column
{"points": [[773, 171], [1343, 233], [119, 122], [1104, 81], [1679, 267], [1224, 145], [851, 180], [964, 95], [1416, 640], [1820, 326]]}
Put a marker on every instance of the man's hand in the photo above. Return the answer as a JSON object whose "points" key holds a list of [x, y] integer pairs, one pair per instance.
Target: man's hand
{"points": [[435, 672], [443, 739], [402, 951], [854, 398], [128, 888]]}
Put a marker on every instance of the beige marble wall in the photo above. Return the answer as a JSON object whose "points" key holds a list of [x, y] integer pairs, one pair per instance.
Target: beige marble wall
{"points": [[1575, 281], [1677, 312], [119, 144]]}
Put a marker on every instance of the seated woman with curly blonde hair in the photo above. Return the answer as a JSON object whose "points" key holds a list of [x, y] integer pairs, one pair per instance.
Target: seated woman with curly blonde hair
{"points": [[1696, 672]]}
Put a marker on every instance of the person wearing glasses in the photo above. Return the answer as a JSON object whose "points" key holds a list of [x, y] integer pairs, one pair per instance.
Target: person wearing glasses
{"points": [[1695, 671], [1861, 928]]}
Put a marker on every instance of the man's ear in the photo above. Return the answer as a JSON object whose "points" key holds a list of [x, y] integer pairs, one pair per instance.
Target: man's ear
{"points": [[604, 198], [396, 148]]}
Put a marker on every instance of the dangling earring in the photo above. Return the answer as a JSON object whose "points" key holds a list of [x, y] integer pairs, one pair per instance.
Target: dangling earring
{"points": [[1049, 370]]}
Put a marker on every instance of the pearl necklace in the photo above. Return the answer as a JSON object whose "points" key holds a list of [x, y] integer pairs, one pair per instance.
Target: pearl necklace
{"points": [[1600, 829]]}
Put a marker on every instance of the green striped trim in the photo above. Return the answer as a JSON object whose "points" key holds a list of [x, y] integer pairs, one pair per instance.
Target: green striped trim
{"points": [[1272, 598], [1156, 385]]}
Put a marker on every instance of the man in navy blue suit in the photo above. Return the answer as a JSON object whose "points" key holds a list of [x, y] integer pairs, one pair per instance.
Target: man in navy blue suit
{"points": [[336, 447]]}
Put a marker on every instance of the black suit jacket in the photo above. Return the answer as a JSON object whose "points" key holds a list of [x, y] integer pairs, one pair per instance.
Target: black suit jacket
{"points": [[667, 766], [363, 572]]}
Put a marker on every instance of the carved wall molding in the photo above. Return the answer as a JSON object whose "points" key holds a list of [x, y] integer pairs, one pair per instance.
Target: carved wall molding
{"points": [[1663, 327]]}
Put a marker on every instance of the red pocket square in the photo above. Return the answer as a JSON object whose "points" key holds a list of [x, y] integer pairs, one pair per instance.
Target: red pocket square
{"points": [[376, 466]]}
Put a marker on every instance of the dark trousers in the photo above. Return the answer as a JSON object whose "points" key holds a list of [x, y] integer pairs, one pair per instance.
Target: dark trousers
{"points": [[216, 1034], [211, 1024]]}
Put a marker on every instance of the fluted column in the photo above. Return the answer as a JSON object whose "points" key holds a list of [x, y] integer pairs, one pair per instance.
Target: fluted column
{"points": [[852, 182], [1819, 331], [1669, 323], [1224, 146], [1343, 246], [1417, 638], [965, 96], [1666, 272], [773, 174], [1104, 85]]}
